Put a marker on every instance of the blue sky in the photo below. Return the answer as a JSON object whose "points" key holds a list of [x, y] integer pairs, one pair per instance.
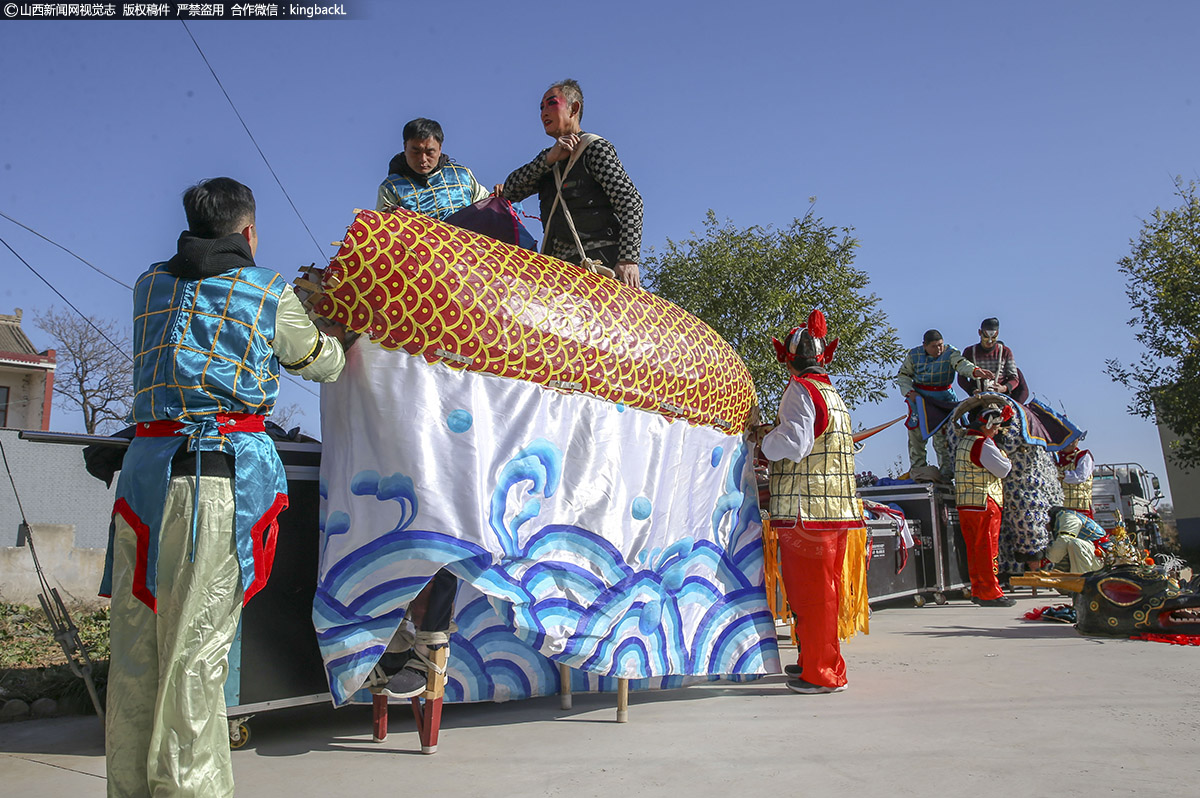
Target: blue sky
{"points": [[994, 158]]}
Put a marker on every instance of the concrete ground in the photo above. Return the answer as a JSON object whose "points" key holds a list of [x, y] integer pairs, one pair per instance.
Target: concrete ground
{"points": [[943, 700]]}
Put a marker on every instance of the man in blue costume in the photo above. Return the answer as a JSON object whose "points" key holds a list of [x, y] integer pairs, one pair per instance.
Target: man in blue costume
{"points": [[926, 379], [424, 180], [194, 524]]}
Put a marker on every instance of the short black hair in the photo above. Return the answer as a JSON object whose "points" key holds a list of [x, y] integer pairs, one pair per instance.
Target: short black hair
{"points": [[931, 336], [990, 324], [421, 129], [217, 207]]}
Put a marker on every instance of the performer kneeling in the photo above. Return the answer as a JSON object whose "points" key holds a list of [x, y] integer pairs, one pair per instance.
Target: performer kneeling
{"points": [[813, 503]]}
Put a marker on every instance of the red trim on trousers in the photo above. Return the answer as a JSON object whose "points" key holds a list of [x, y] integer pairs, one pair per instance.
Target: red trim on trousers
{"points": [[263, 536], [140, 591]]}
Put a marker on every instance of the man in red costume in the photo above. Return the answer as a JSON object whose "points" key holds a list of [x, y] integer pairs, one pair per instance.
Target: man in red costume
{"points": [[979, 465], [813, 503]]}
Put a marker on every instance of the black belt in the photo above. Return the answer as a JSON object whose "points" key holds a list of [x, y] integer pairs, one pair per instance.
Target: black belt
{"points": [[212, 464]]}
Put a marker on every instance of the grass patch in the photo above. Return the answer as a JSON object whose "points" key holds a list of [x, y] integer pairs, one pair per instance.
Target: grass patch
{"points": [[33, 666]]}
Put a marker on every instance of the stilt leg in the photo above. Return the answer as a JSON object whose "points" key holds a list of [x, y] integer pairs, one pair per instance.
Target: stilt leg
{"points": [[428, 713], [379, 716], [622, 700], [564, 677]]}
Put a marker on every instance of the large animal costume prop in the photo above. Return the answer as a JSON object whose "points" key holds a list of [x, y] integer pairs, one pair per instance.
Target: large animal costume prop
{"points": [[566, 445], [1031, 487], [1128, 599]]}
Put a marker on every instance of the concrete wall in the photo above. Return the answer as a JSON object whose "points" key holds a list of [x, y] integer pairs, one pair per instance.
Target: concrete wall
{"points": [[55, 489], [75, 572], [1185, 495], [69, 512]]}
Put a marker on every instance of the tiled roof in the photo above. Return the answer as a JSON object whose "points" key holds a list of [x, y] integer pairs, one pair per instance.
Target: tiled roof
{"points": [[12, 338]]}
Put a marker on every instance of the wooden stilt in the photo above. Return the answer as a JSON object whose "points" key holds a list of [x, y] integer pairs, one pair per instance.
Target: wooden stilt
{"points": [[427, 707], [379, 717], [622, 700], [565, 700]]}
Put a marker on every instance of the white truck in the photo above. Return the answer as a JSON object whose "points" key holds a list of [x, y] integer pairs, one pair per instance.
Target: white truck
{"points": [[1125, 494]]}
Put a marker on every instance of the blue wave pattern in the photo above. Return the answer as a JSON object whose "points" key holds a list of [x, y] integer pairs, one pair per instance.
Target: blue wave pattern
{"points": [[696, 608]]}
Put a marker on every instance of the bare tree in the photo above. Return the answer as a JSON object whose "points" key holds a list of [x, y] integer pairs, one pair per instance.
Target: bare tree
{"points": [[288, 416], [95, 371]]}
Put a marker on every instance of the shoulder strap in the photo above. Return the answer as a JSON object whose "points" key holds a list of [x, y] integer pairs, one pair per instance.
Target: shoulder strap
{"points": [[559, 176]]}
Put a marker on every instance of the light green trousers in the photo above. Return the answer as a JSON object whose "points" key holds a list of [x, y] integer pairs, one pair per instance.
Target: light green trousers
{"points": [[941, 446], [1081, 554], [166, 730]]}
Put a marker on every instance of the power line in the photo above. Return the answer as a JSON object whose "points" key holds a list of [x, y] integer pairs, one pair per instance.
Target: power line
{"points": [[297, 381], [82, 315], [64, 249], [252, 139]]}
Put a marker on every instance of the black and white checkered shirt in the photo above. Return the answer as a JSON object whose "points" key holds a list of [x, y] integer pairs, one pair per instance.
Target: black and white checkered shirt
{"points": [[601, 161]]}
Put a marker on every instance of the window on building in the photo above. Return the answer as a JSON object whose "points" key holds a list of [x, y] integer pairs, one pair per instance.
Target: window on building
{"points": [[3, 406]]}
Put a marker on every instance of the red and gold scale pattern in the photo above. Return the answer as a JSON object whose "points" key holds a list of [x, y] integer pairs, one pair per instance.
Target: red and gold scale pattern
{"points": [[413, 283]]}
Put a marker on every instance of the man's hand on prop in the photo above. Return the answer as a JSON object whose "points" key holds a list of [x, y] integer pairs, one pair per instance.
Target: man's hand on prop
{"points": [[562, 149], [1001, 388], [979, 373], [757, 433], [911, 393], [498, 191], [629, 273]]}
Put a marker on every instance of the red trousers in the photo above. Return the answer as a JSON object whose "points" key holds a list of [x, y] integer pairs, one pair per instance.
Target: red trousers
{"points": [[811, 562], [981, 532]]}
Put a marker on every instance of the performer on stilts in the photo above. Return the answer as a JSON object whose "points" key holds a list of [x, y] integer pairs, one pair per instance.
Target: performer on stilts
{"points": [[926, 379], [979, 467], [813, 502], [194, 524]]}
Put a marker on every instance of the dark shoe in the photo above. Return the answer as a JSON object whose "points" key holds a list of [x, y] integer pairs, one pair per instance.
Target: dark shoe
{"points": [[807, 688], [407, 683], [1003, 601], [792, 670]]}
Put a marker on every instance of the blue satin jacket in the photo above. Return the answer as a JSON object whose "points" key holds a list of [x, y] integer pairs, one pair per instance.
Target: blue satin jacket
{"points": [[449, 189], [203, 347]]}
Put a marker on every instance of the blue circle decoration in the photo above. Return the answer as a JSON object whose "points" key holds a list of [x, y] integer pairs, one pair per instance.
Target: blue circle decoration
{"points": [[650, 617], [641, 508], [459, 421], [620, 407], [716, 456]]}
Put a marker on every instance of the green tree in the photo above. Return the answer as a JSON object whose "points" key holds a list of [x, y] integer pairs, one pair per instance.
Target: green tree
{"points": [[752, 284], [1163, 286]]}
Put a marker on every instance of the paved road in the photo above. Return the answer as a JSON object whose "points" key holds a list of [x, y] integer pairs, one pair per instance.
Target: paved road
{"points": [[952, 700]]}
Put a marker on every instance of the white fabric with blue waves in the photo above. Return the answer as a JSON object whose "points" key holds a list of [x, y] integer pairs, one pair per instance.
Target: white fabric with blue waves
{"points": [[607, 538]]}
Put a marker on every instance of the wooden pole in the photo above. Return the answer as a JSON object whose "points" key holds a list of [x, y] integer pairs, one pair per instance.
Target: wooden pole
{"points": [[379, 716], [565, 700], [428, 714], [622, 700]]}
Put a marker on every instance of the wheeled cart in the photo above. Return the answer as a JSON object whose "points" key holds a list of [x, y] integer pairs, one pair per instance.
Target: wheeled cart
{"points": [[895, 572], [931, 509], [274, 661]]}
